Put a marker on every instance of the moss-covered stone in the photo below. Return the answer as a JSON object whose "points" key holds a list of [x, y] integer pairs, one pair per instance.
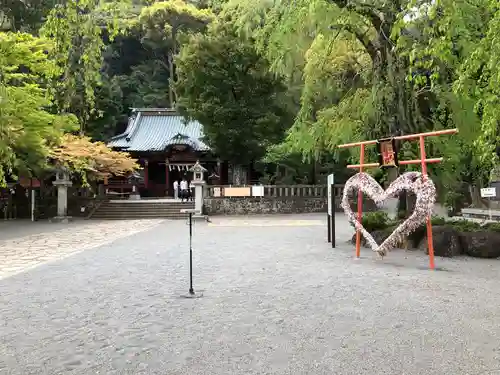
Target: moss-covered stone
{"points": [[481, 244], [446, 242]]}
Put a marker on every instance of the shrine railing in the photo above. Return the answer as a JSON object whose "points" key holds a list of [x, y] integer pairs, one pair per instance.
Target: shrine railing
{"points": [[271, 191]]}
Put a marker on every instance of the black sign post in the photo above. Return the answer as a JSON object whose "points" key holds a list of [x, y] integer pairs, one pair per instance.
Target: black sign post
{"points": [[329, 229], [331, 222], [191, 293], [330, 217]]}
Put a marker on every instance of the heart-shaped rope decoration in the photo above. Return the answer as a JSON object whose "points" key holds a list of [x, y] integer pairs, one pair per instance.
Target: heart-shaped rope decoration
{"points": [[415, 182]]}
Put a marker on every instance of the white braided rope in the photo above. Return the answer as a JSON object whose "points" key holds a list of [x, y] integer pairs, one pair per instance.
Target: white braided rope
{"points": [[424, 190]]}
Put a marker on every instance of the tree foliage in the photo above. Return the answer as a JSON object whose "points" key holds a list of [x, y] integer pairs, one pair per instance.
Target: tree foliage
{"points": [[163, 23], [24, 15], [78, 30], [91, 159], [27, 129], [226, 85], [32, 137], [373, 68], [139, 64], [320, 72], [453, 60]]}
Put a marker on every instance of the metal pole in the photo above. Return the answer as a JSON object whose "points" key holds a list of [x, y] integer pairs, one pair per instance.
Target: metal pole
{"points": [[329, 211], [32, 204], [191, 290], [489, 208], [331, 223], [191, 293]]}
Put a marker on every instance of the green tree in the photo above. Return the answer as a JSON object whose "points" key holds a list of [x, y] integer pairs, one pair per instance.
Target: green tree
{"points": [[24, 15], [452, 56], [225, 85], [91, 160], [353, 79], [78, 30], [163, 23], [27, 129], [136, 68]]}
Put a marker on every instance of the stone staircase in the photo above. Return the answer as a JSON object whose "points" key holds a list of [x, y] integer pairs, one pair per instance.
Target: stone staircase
{"points": [[141, 209]]}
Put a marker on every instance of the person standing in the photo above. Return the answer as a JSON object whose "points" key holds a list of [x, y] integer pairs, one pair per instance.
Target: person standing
{"points": [[184, 189], [191, 191], [176, 189]]}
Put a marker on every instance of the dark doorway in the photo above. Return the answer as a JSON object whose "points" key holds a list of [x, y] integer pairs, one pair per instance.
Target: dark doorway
{"points": [[157, 179]]}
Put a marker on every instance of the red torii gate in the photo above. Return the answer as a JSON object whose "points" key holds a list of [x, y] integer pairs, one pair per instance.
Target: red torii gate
{"points": [[423, 161]]}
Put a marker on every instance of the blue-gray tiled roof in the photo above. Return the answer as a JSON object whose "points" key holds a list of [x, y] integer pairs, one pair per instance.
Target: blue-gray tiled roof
{"points": [[156, 129]]}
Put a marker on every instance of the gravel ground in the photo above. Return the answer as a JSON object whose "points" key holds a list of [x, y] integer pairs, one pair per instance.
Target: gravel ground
{"points": [[277, 300], [34, 245], [10, 229]]}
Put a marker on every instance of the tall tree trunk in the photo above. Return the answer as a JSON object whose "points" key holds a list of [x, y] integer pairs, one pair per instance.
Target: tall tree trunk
{"points": [[171, 80], [171, 69], [239, 175]]}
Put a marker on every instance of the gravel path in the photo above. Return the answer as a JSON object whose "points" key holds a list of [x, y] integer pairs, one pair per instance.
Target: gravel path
{"points": [[21, 253], [10, 229], [277, 300]]}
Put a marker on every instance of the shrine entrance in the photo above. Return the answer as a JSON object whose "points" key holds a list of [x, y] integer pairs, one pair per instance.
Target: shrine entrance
{"points": [[176, 172], [157, 179]]}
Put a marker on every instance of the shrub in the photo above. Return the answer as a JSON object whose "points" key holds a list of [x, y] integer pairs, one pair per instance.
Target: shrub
{"points": [[375, 221], [492, 227], [465, 226], [438, 220]]}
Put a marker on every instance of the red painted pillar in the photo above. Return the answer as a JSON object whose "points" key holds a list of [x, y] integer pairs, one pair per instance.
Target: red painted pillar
{"points": [[360, 201], [430, 242], [146, 173], [167, 179]]}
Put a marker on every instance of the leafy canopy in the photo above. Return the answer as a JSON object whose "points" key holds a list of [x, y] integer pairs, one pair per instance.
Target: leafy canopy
{"points": [[91, 159], [78, 29], [164, 23], [225, 85], [32, 138], [27, 128]]}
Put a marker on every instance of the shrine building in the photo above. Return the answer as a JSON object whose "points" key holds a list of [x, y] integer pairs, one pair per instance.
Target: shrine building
{"points": [[166, 146]]}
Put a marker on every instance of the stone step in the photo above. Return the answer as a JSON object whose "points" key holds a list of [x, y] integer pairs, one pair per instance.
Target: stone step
{"points": [[142, 210], [162, 212], [135, 209], [139, 213], [131, 217], [139, 206], [145, 204]]}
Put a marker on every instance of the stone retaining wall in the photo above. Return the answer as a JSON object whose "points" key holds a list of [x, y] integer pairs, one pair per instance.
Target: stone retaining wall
{"points": [[270, 205]]}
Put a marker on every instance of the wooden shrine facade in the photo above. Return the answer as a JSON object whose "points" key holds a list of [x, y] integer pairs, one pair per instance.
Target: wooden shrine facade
{"points": [[167, 147]]}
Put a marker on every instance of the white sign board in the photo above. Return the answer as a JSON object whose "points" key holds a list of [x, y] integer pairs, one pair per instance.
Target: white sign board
{"points": [[488, 192], [330, 193], [257, 191]]}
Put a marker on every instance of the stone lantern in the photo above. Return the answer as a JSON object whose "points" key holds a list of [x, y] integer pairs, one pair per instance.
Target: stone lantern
{"points": [[198, 182], [62, 182]]}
